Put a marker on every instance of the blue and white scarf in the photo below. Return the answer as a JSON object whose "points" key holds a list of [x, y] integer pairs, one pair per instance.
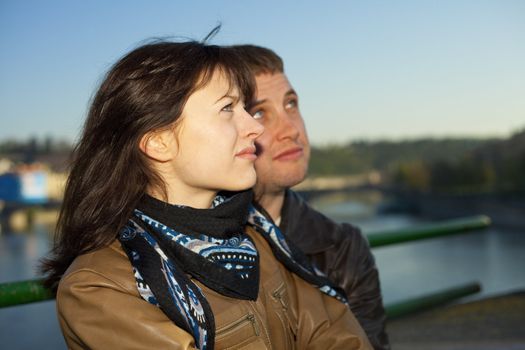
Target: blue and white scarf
{"points": [[163, 256], [292, 257]]}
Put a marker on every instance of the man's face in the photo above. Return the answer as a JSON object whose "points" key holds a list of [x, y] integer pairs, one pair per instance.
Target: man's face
{"points": [[283, 149]]}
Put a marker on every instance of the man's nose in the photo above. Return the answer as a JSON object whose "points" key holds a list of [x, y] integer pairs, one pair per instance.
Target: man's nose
{"points": [[287, 127]]}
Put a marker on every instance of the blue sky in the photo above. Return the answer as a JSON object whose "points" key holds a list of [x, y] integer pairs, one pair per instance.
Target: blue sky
{"points": [[363, 69]]}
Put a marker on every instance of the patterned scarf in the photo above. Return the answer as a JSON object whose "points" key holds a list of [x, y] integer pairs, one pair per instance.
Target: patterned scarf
{"points": [[166, 243], [291, 256]]}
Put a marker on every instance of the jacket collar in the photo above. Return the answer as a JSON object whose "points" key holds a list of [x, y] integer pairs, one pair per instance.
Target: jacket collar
{"points": [[306, 227]]}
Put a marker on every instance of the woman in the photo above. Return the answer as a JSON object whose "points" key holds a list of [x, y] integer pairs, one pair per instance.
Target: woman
{"points": [[149, 253]]}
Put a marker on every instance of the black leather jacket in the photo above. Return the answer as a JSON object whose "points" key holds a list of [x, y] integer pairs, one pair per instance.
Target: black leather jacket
{"points": [[340, 251]]}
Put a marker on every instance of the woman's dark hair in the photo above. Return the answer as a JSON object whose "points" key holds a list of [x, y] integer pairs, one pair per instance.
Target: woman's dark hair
{"points": [[146, 90]]}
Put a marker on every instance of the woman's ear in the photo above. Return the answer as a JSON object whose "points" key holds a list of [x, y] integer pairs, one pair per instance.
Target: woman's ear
{"points": [[159, 145]]}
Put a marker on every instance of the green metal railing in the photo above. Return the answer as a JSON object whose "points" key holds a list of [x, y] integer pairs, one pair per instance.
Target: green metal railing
{"points": [[445, 228], [23, 292], [430, 300], [29, 291]]}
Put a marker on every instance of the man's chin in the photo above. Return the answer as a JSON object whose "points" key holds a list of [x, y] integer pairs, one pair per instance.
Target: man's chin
{"points": [[280, 177], [289, 179]]}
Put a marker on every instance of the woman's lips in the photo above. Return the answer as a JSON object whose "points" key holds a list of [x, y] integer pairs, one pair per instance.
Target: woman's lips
{"points": [[247, 153], [290, 154]]}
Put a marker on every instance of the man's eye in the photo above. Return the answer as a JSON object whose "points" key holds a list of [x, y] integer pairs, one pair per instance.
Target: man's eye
{"points": [[259, 114], [291, 104], [228, 108]]}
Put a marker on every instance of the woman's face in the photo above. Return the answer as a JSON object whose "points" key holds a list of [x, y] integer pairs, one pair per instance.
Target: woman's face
{"points": [[214, 142]]}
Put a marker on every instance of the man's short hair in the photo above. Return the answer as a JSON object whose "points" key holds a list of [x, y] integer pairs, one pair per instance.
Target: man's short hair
{"points": [[260, 60]]}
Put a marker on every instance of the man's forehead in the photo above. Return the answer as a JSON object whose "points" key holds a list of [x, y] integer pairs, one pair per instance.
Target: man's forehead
{"points": [[269, 84]]}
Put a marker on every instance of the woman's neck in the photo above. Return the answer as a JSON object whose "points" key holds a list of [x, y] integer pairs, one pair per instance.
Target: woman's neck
{"points": [[190, 197]]}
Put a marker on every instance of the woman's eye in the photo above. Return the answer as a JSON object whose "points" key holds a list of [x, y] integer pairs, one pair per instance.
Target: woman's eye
{"points": [[228, 108], [258, 114]]}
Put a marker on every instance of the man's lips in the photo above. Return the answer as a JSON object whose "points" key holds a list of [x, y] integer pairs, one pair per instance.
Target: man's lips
{"points": [[247, 153], [290, 154]]}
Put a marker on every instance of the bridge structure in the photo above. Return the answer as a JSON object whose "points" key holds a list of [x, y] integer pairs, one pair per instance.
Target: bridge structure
{"points": [[20, 214], [24, 192]]}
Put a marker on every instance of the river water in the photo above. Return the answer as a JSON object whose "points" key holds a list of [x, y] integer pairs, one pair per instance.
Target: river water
{"points": [[494, 257]]}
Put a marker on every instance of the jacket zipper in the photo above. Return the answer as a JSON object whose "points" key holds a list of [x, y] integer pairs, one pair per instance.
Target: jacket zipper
{"points": [[237, 324], [264, 330], [251, 317], [277, 295]]}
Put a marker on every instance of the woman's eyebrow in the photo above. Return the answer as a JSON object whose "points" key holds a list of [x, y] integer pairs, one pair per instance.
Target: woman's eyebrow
{"points": [[235, 98]]}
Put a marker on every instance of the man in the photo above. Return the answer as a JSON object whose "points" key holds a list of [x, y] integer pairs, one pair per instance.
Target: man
{"points": [[339, 250]]}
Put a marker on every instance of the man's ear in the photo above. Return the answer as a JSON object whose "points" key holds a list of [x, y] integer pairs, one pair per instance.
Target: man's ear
{"points": [[159, 145]]}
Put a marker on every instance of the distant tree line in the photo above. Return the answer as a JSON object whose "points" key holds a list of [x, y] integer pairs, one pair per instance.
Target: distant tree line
{"points": [[33, 149], [437, 165]]}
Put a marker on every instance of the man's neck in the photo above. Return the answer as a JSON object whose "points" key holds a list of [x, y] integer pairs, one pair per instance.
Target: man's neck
{"points": [[272, 203]]}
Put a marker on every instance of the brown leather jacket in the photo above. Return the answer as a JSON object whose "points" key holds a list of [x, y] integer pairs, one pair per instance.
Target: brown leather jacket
{"points": [[340, 251], [99, 308]]}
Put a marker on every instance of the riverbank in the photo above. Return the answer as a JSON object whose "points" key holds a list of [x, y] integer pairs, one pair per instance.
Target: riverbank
{"points": [[492, 323], [505, 210]]}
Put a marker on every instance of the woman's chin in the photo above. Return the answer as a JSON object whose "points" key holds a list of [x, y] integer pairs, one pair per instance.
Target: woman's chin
{"points": [[243, 183]]}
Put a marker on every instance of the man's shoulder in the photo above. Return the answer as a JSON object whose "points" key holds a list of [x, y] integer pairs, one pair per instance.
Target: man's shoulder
{"points": [[311, 228]]}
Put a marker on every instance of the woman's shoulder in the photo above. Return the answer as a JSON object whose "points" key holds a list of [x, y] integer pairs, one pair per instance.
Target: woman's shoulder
{"points": [[99, 307], [105, 267]]}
